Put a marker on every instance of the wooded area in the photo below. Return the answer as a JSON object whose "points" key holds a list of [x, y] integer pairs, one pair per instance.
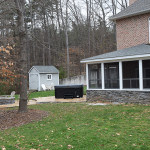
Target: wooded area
{"points": [[57, 32]]}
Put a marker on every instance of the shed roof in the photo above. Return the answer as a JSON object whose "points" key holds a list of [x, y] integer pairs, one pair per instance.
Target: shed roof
{"points": [[137, 8], [138, 50], [45, 69]]}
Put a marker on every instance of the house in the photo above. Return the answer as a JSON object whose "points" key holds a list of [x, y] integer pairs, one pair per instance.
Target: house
{"points": [[124, 75], [47, 75]]}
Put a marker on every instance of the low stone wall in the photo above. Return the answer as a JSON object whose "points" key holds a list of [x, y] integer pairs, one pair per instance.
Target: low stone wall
{"points": [[137, 97], [7, 100]]}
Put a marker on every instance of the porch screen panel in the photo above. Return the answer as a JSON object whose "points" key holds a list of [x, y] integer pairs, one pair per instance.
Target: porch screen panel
{"points": [[146, 74], [111, 75], [95, 76], [130, 74]]}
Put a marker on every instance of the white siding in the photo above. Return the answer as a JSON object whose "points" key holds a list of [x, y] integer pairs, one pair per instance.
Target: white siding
{"points": [[33, 81], [33, 70], [54, 81]]}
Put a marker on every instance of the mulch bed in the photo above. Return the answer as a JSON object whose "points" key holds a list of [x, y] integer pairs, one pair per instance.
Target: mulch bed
{"points": [[11, 118]]}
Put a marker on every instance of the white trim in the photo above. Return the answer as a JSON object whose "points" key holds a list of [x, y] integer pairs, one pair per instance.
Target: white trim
{"points": [[102, 75], [138, 90], [87, 76], [58, 79], [32, 68], [120, 75], [141, 74], [49, 75], [39, 82], [135, 57]]}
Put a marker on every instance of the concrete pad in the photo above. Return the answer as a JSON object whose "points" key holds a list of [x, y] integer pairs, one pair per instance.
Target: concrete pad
{"points": [[98, 104], [50, 99]]}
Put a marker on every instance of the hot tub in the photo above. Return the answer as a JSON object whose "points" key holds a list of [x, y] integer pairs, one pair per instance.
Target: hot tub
{"points": [[69, 91]]}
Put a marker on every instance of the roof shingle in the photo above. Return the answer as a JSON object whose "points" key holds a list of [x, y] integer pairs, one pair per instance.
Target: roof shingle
{"points": [[132, 51], [46, 69], [137, 8]]}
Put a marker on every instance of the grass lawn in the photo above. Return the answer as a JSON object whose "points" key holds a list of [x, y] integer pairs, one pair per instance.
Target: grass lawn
{"points": [[39, 94], [83, 127], [44, 94]]}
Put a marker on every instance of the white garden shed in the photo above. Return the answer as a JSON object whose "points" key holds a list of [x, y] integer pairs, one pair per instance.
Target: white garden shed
{"points": [[39, 75]]}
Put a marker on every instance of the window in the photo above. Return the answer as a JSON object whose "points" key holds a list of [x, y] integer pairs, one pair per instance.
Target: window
{"points": [[146, 73], [111, 75], [95, 76], [130, 74], [49, 77]]}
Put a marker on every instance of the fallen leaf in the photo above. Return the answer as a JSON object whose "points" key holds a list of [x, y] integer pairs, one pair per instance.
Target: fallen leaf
{"points": [[3, 148], [117, 133], [70, 146]]}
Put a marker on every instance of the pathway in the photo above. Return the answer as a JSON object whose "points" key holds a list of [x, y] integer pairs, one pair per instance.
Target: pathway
{"points": [[50, 99]]}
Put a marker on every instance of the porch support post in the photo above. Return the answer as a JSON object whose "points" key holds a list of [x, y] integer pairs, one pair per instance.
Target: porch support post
{"points": [[120, 75], [103, 78], [141, 74], [87, 76]]}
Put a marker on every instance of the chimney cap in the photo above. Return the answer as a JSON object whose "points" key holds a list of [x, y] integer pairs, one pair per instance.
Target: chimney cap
{"points": [[131, 2]]}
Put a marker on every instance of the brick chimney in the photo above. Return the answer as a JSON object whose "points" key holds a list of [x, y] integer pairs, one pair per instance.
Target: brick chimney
{"points": [[131, 1]]}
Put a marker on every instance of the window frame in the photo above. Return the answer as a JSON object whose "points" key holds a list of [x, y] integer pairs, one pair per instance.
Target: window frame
{"points": [[48, 76], [98, 80], [144, 73], [111, 67], [130, 79]]}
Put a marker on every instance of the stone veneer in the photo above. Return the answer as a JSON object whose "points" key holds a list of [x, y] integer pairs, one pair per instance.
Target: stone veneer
{"points": [[138, 97], [7, 100]]}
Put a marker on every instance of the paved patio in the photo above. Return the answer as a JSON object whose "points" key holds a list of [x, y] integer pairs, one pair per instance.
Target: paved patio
{"points": [[50, 99]]}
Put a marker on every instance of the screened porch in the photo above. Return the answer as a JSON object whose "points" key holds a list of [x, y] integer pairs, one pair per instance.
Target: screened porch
{"points": [[121, 75]]}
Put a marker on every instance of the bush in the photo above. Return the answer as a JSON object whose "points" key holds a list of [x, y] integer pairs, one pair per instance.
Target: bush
{"points": [[62, 73], [6, 89]]}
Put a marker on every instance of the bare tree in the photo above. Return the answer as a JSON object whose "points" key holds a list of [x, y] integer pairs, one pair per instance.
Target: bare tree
{"points": [[20, 7], [67, 44]]}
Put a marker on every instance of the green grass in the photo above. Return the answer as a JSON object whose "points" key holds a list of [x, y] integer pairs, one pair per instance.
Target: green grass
{"points": [[83, 127], [84, 90], [39, 94], [44, 94], [16, 97]]}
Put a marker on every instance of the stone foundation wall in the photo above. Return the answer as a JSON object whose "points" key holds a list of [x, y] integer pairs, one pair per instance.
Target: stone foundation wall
{"points": [[9, 100], [137, 97]]}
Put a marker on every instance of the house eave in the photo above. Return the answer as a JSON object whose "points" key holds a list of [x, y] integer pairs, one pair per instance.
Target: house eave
{"points": [[116, 59], [130, 15]]}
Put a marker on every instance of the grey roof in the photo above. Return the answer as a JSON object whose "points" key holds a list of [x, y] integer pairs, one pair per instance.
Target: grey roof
{"points": [[46, 69], [132, 51], [137, 8]]}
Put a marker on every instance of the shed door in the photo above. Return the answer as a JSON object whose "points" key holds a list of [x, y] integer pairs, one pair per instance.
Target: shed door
{"points": [[34, 82]]}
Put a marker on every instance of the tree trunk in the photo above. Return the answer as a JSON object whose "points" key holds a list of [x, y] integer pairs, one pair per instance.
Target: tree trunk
{"points": [[67, 43], [20, 6]]}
